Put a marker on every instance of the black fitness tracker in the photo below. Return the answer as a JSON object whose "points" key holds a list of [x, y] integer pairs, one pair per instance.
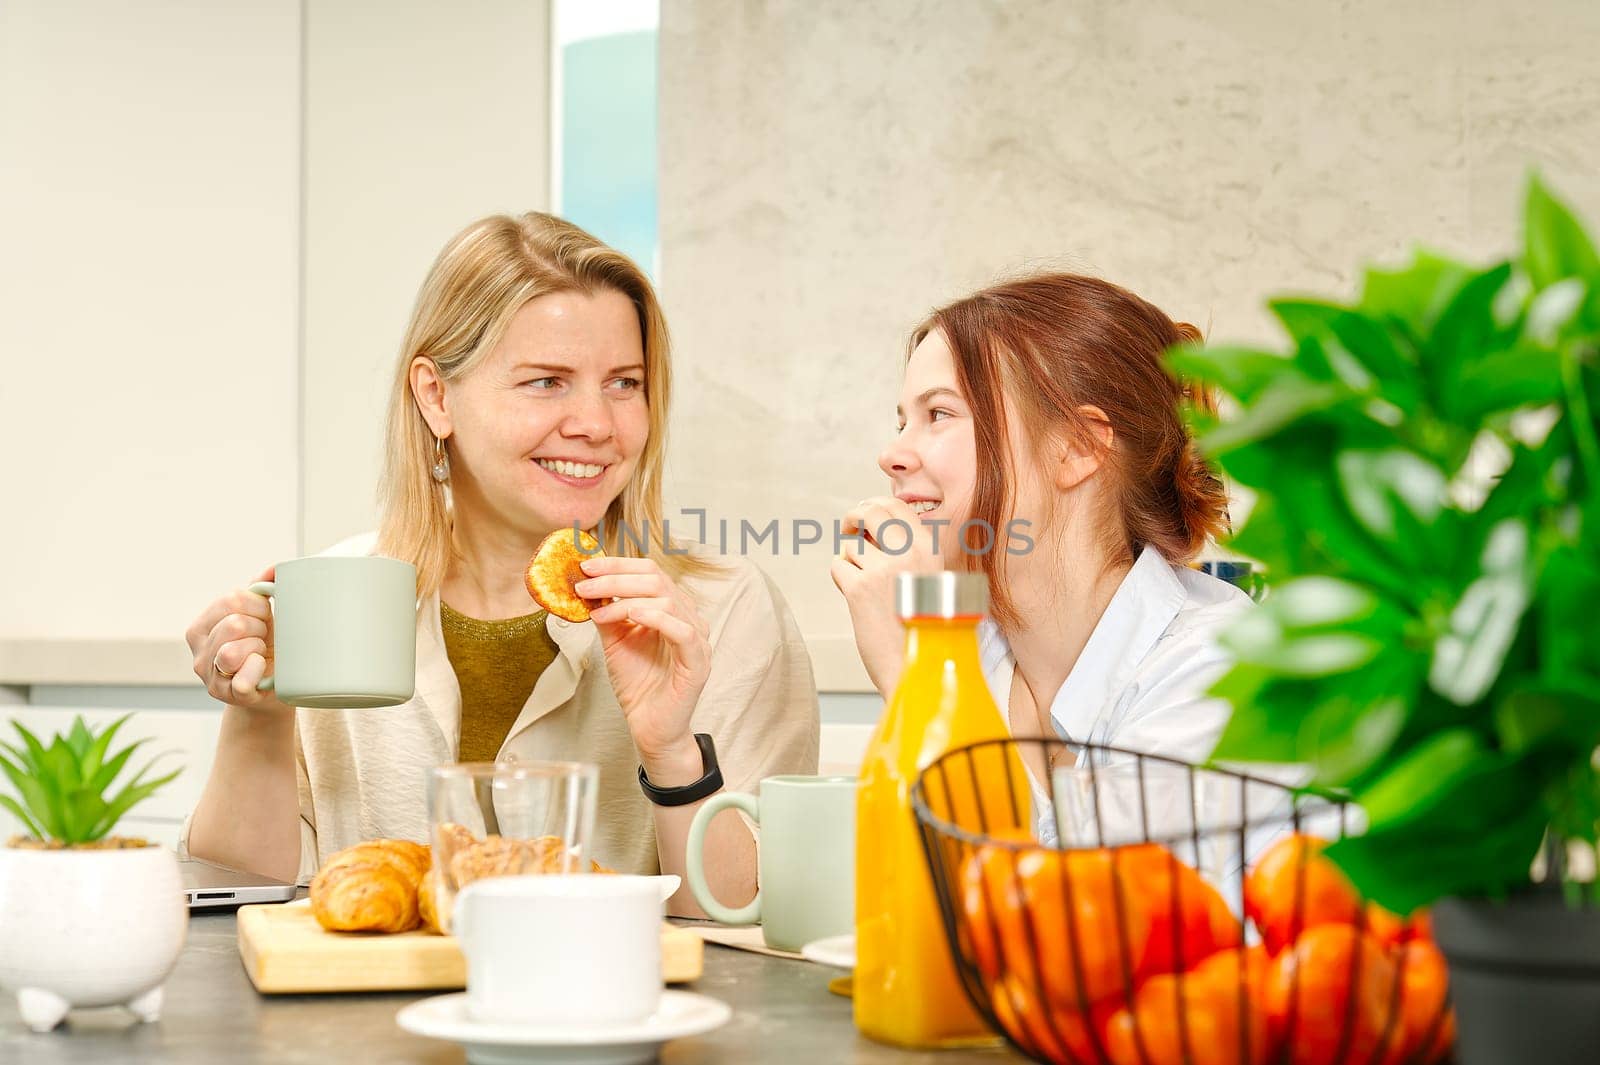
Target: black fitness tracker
{"points": [[708, 784]]}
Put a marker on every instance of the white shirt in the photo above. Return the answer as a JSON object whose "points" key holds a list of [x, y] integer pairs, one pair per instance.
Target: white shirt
{"points": [[1141, 679]]}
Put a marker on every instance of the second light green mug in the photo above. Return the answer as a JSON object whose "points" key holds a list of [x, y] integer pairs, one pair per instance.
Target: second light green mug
{"points": [[808, 859], [344, 631]]}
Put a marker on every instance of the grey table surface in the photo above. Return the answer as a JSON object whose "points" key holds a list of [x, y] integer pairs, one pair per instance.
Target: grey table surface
{"points": [[782, 1012]]}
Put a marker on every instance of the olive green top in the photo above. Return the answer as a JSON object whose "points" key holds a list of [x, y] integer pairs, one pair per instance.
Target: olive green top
{"points": [[497, 664]]}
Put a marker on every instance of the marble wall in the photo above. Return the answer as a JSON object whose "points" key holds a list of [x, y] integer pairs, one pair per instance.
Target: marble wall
{"points": [[831, 170]]}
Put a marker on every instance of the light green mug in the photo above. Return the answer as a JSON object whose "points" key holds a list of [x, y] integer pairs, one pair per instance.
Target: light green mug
{"points": [[344, 631], [808, 859]]}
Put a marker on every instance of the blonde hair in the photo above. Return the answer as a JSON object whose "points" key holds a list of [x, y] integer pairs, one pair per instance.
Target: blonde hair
{"points": [[487, 273]]}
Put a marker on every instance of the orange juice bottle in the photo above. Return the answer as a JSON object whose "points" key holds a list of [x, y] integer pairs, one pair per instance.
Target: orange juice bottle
{"points": [[907, 991]]}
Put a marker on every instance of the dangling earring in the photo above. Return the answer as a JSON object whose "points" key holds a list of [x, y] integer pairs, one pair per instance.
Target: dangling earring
{"points": [[441, 462]]}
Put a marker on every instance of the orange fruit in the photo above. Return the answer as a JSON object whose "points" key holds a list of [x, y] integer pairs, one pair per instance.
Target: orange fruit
{"points": [[1293, 888], [982, 878], [1427, 1026], [1059, 1036], [1194, 1018], [1419, 926], [1052, 916], [555, 568], [1189, 919], [1330, 997], [1386, 926]]}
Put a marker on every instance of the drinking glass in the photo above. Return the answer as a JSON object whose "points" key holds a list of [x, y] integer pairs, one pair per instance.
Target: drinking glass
{"points": [[508, 819]]}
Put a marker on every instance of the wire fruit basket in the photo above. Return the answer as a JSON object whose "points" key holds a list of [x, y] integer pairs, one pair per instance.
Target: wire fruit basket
{"points": [[1139, 910]]}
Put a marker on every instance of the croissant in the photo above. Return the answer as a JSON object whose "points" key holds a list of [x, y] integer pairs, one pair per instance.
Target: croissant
{"points": [[408, 858], [498, 856], [547, 854], [449, 838], [427, 904], [371, 887], [387, 885]]}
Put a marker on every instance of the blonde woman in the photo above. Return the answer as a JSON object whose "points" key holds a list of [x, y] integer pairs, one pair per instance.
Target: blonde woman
{"points": [[531, 394]]}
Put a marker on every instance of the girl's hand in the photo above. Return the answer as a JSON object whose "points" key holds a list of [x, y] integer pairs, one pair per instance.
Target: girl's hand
{"points": [[866, 574], [231, 642], [657, 652]]}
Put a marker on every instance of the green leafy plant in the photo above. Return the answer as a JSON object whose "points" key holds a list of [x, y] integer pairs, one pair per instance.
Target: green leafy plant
{"points": [[1426, 467], [61, 790]]}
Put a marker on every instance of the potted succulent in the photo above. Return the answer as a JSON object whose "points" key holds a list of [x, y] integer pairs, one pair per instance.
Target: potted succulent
{"points": [[1425, 463], [86, 918]]}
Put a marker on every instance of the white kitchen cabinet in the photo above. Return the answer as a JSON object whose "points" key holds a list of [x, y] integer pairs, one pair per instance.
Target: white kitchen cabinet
{"points": [[216, 218]]}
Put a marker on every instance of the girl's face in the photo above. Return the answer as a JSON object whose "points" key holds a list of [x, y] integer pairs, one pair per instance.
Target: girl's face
{"points": [[932, 462], [548, 429]]}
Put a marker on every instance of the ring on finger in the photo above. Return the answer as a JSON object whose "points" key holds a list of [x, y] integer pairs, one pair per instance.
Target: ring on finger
{"points": [[217, 666]]}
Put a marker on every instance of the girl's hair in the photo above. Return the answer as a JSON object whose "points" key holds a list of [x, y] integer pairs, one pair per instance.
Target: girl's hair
{"points": [[484, 276], [1053, 343]]}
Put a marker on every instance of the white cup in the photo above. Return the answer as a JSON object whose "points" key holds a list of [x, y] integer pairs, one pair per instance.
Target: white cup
{"points": [[566, 950]]}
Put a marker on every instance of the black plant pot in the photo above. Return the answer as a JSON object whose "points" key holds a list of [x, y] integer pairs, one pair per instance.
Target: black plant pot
{"points": [[1525, 979]]}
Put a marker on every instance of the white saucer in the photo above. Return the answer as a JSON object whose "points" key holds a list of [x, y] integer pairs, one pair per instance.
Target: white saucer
{"points": [[838, 951], [681, 1013]]}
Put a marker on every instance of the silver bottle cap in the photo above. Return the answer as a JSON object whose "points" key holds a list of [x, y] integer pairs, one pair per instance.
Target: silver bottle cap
{"points": [[946, 594]]}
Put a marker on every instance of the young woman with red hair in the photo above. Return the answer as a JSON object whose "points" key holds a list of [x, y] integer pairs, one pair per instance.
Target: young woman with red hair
{"points": [[1045, 401]]}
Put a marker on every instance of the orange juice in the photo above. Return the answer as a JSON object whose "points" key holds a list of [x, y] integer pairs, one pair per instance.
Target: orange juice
{"points": [[907, 991]]}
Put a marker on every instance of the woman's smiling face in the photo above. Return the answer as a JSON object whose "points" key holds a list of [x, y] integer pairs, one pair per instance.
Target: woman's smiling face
{"points": [[549, 428], [932, 461]]}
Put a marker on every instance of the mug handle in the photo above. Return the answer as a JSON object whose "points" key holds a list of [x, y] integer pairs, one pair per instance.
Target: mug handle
{"points": [[694, 858], [263, 588]]}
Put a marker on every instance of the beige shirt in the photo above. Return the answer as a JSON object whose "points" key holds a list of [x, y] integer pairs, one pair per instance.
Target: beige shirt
{"points": [[363, 773]]}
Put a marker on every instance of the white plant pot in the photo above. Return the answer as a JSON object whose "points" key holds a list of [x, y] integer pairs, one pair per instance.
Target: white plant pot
{"points": [[89, 928]]}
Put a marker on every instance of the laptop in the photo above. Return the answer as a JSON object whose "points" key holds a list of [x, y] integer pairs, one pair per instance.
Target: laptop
{"points": [[209, 887]]}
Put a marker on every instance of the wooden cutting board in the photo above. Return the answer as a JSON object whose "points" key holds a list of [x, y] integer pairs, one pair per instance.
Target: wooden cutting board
{"points": [[285, 951]]}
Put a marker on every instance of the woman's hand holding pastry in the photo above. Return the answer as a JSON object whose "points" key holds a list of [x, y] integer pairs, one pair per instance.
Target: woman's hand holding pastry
{"points": [[658, 653]]}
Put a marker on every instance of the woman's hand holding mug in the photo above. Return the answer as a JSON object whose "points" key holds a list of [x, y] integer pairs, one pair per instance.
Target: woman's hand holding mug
{"points": [[232, 644], [333, 632]]}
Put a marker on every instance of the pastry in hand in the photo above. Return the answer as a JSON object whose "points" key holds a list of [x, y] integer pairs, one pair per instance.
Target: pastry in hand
{"points": [[370, 887], [555, 568]]}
